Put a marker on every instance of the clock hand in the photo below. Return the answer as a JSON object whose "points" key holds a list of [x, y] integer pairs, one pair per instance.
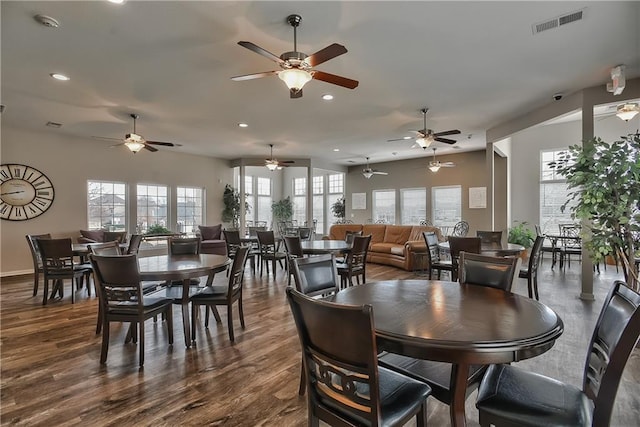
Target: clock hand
{"points": [[12, 192]]}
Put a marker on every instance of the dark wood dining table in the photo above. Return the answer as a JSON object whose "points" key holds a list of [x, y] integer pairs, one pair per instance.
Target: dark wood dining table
{"points": [[325, 246], [460, 324], [182, 267]]}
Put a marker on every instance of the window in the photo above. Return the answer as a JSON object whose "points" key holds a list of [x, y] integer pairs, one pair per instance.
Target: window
{"points": [[107, 205], [413, 205], [336, 191], [384, 206], [554, 193], [318, 203], [152, 207], [250, 198], [300, 200], [190, 208], [263, 211], [447, 205]]}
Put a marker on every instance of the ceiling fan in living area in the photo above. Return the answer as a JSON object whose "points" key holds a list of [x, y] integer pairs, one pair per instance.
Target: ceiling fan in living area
{"points": [[435, 165], [425, 137], [272, 163], [136, 142], [297, 67], [368, 172]]}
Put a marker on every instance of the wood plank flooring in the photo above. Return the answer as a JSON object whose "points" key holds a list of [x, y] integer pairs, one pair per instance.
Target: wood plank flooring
{"points": [[51, 375]]}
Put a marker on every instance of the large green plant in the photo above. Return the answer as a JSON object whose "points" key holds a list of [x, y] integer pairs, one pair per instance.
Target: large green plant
{"points": [[521, 234], [231, 210], [338, 208], [282, 210], [605, 183]]}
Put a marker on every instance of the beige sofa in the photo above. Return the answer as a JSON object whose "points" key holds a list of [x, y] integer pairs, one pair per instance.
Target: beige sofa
{"points": [[390, 244]]}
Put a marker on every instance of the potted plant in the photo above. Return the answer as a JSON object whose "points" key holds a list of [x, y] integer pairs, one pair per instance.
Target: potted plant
{"points": [[604, 179], [231, 211], [521, 234], [156, 229], [338, 209], [282, 210]]}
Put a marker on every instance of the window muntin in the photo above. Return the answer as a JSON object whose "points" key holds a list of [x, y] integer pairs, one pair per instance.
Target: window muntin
{"points": [[152, 206], [336, 183], [384, 206], [413, 205], [190, 208], [107, 205], [446, 205]]}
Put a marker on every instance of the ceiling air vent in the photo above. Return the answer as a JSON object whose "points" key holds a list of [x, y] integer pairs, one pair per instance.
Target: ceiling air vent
{"points": [[54, 124], [558, 21]]}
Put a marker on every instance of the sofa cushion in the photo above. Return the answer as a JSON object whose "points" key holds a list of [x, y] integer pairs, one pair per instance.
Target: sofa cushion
{"points": [[416, 232], [95, 235], [339, 231], [376, 231], [398, 234], [210, 232], [387, 248]]}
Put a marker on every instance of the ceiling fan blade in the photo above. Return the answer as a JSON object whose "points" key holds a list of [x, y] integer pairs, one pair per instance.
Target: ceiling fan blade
{"points": [[448, 165], [336, 80], [166, 144], [400, 139], [116, 145], [447, 132], [445, 140], [287, 161], [380, 173], [150, 148], [326, 54], [257, 49], [253, 76], [106, 138], [295, 93]]}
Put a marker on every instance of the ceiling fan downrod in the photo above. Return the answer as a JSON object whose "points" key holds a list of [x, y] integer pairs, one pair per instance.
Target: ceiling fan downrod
{"points": [[294, 21]]}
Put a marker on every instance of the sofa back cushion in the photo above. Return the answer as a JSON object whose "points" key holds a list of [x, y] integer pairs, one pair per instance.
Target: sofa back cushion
{"points": [[398, 234], [416, 232], [376, 231], [95, 235], [210, 232], [339, 231]]}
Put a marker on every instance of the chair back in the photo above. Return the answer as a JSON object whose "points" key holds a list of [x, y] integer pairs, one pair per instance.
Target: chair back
{"points": [[232, 240], [357, 257], [32, 240], [349, 235], [293, 246], [460, 229], [236, 274], [305, 233], [534, 256], [431, 240], [134, 244], [184, 245], [538, 230], [267, 241], [119, 281], [316, 275], [466, 244], [254, 229], [490, 238], [614, 338], [107, 248], [118, 236], [56, 255], [482, 270], [340, 357]]}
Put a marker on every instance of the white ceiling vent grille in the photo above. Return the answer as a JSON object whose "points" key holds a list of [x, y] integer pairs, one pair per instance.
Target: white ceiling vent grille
{"points": [[558, 21]]}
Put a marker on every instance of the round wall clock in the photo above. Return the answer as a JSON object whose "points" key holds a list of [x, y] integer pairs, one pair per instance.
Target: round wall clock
{"points": [[25, 192]]}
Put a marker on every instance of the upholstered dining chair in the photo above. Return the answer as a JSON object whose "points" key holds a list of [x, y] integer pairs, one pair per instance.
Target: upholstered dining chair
{"points": [[459, 244], [38, 269], [269, 252], [355, 264], [483, 270], [293, 248], [122, 300], [345, 385], [434, 261], [211, 296], [530, 271], [185, 246], [490, 238], [512, 396], [58, 264]]}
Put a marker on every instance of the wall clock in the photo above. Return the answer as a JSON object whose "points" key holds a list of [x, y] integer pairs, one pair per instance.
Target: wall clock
{"points": [[25, 192]]}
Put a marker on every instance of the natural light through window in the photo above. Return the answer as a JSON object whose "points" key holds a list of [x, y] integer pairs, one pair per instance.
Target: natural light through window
{"points": [[107, 205]]}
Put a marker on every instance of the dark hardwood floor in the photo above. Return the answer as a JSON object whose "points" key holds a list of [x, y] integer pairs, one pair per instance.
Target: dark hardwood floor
{"points": [[51, 375]]}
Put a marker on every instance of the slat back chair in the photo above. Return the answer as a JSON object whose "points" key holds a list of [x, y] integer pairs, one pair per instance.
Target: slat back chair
{"points": [[434, 262], [268, 251], [293, 248], [32, 240], [122, 300], [345, 385], [184, 245], [512, 396], [111, 248], [355, 264], [134, 244], [118, 236], [530, 271], [483, 270], [58, 264]]}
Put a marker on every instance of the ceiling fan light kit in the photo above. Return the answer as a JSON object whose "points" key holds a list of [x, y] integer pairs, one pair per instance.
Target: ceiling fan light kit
{"points": [[135, 142], [627, 111], [274, 164], [368, 172], [295, 78], [426, 137]]}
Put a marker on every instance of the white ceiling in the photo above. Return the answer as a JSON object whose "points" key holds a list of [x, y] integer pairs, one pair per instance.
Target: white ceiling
{"points": [[473, 64]]}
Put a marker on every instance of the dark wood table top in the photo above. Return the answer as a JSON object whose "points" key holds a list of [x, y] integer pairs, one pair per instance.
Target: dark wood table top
{"points": [[324, 246], [506, 249]]}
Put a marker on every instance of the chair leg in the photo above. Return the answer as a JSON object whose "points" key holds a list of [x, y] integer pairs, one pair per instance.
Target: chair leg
{"points": [[141, 325], [273, 264], [230, 322], [46, 290], [194, 309], [421, 416], [36, 282], [216, 315], [535, 287], [99, 322], [303, 380], [241, 313], [105, 342], [170, 324]]}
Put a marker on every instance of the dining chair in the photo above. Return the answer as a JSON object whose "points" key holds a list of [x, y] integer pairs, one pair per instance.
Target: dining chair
{"points": [[305, 233], [530, 271], [293, 248], [571, 243], [134, 244], [513, 396], [58, 264], [118, 236], [184, 246], [459, 244], [269, 252], [233, 242], [211, 296], [484, 270], [122, 300], [346, 387], [355, 264], [490, 239], [32, 241], [460, 229], [434, 262], [314, 276]]}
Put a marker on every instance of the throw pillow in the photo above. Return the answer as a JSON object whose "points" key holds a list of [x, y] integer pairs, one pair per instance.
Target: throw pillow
{"points": [[210, 232]]}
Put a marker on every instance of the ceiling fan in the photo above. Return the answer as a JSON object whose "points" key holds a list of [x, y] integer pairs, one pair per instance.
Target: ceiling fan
{"points": [[297, 67], [368, 172], [272, 163], [135, 142], [425, 137], [435, 165]]}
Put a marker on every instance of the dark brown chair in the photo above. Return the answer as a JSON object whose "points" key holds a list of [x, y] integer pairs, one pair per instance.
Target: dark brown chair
{"points": [[511, 396], [117, 236], [530, 272], [233, 242], [134, 244], [293, 248], [483, 270], [106, 249], [345, 385], [356, 263], [434, 262], [32, 240], [269, 252], [58, 264], [460, 244], [121, 299], [185, 246], [490, 238], [314, 276], [211, 296]]}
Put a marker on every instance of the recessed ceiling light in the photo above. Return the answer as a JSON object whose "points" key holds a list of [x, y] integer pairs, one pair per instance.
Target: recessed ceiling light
{"points": [[59, 76], [406, 137], [336, 149], [243, 125], [327, 97], [116, 1]]}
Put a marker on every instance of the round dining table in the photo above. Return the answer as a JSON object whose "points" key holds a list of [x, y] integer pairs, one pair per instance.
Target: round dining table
{"points": [[324, 246], [183, 268], [460, 324]]}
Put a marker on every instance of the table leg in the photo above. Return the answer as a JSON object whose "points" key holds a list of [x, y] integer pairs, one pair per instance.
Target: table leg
{"points": [[186, 324], [459, 374]]}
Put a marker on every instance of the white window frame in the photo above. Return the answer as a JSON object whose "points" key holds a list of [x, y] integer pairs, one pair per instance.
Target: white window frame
{"points": [[413, 218], [109, 212], [194, 195], [445, 216], [299, 186], [386, 215], [553, 193], [164, 220]]}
